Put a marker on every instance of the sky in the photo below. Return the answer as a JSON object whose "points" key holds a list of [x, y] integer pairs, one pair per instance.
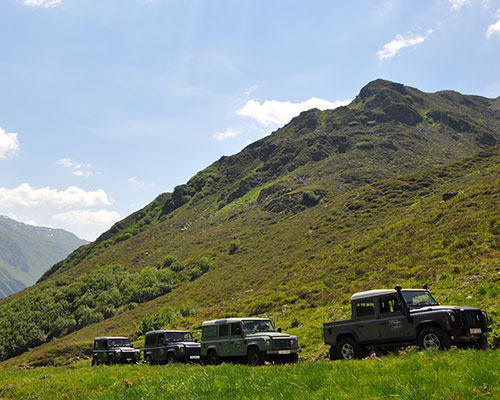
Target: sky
{"points": [[105, 104]]}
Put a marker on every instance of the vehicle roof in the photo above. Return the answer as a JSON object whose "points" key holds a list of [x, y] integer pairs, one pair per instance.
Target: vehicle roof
{"points": [[377, 292], [111, 337], [229, 320], [163, 331]]}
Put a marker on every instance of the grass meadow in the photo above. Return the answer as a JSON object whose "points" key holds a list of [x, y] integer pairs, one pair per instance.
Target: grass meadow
{"points": [[455, 374]]}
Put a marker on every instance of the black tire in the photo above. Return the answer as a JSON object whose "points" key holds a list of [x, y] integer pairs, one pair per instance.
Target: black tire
{"points": [[333, 353], [149, 359], [95, 361], [111, 360], [433, 338], [293, 358], [171, 358], [213, 358], [349, 349], [482, 342], [255, 357]]}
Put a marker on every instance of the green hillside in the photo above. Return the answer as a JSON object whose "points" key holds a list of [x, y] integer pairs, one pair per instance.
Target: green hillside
{"points": [[334, 202], [26, 252]]}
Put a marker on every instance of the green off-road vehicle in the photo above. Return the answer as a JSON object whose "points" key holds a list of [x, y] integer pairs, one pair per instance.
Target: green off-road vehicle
{"points": [[251, 340], [391, 318], [112, 350]]}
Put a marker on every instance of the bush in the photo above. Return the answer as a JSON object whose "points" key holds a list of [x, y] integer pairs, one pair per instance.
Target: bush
{"points": [[233, 247], [366, 145]]}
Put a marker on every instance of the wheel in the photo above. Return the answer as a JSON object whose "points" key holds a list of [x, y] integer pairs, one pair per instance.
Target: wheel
{"points": [[482, 342], [213, 358], [149, 359], [111, 360], [333, 353], [349, 349], [293, 358], [255, 357], [95, 361], [433, 338], [171, 359]]}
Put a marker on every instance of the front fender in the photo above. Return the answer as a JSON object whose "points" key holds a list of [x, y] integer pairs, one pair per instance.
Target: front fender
{"points": [[347, 332]]}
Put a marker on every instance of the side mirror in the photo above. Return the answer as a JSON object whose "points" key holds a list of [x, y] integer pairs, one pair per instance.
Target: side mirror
{"points": [[279, 330]]}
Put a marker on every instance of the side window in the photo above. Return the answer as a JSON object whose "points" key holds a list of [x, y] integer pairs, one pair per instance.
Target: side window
{"points": [[104, 344], [97, 344], [209, 331], [389, 305], [236, 329], [223, 330], [161, 339], [150, 340], [365, 308]]}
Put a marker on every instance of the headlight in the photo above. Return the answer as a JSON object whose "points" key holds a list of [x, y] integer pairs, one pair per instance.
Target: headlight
{"points": [[452, 317], [267, 341], [181, 349]]}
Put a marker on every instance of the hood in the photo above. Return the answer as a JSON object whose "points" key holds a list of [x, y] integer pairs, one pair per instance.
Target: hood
{"points": [[440, 308], [273, 335], [188, 344], [124, 349]]}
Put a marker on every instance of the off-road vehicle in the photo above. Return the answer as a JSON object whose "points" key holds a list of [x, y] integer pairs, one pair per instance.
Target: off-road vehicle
{"points": [[111, 350], [392, 318], [170, 346], [251, 340]]}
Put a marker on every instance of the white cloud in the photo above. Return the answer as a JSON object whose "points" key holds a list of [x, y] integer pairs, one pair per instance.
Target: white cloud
{"points": [[26, 196], [273, 112], [228, 133], [138, 183], [78, 169], [394, 46], [9, 144], [457, 4], [493, 28], [87, 218], [42, 3]]}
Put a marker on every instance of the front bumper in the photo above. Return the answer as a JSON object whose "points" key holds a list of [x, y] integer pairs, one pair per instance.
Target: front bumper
{"points": [[283, 351]]}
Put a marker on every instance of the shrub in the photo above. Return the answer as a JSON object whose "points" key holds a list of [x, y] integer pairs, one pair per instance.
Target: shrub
{"points": [[233, 247], [366, 145]]}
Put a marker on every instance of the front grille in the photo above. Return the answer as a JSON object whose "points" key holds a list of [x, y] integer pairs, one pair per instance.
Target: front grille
{"points": [[128, 354], [281, 344], [193, 351], [473, 318]]}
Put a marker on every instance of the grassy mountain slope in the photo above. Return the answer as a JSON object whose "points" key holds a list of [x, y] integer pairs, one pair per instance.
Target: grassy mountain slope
{"points": [[26, 252], [291, 226]]}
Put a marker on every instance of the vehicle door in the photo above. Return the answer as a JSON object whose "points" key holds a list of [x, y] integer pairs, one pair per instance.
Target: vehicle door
{"points": [[223, 341], [393, 325], [236, 345], [161, 347], [366, 323]]}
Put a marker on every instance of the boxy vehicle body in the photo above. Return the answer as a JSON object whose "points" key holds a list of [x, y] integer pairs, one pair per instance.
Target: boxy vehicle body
{"points": [[170, 346]]}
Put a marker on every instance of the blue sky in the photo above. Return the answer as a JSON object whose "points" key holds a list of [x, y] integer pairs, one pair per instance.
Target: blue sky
{"points": [[107, 103]]}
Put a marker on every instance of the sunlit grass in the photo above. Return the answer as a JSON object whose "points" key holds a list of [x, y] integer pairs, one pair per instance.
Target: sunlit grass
{"points": [[454, 374]]}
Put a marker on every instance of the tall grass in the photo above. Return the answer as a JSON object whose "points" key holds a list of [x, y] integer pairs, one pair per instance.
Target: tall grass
{"points": [[455, 374]]}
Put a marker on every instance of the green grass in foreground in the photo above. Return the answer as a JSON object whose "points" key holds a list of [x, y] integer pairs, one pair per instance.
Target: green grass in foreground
{"points": [[454, 374]]}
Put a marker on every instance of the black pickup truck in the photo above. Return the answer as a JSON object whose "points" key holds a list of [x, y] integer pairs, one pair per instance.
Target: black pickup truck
{"points": [[392, 318]]}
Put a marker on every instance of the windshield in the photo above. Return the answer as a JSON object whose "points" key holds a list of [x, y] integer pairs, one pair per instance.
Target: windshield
{"points": [[179, 337], [416, 298], [258, 326], [119, 343]]}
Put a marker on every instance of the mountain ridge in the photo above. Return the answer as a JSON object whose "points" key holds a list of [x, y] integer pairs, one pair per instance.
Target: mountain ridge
{"points": [[27, 251]]}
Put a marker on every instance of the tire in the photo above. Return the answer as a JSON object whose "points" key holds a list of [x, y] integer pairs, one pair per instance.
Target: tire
{"points": [[111, 360], [332, 353], [95, 361], [149, 359], [433, 338], [213, 358], [171, 358], [255, 357], [482, 342], [349, 349], [293, 358]]}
